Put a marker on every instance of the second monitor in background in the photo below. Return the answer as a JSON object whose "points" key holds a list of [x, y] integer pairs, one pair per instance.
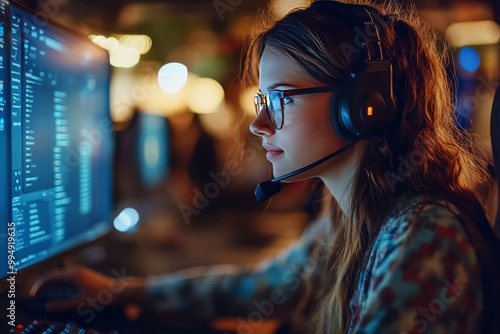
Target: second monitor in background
{"points": [[142, 157]]}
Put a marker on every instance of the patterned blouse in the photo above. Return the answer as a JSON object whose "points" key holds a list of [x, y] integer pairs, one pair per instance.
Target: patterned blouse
{"points": [[421, 276]]}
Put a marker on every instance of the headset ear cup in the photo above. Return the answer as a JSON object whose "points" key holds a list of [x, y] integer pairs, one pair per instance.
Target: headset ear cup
{"points": [[364, 106], [338, 124], [337, 105]]}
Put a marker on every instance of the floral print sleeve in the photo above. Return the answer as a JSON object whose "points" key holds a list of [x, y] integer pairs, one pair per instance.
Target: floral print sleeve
{"points": [[421, 276], [273, 288]]}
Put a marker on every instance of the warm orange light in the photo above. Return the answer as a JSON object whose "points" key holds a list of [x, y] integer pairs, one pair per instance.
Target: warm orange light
{"points": [[369, 111]]}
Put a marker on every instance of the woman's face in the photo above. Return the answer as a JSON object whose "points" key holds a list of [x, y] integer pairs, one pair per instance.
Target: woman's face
{"points": [[307, 134]]}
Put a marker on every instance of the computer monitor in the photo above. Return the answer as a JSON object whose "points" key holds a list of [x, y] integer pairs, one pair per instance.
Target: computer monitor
{"points": [[152, 149], [142, 157], [57, 139]]}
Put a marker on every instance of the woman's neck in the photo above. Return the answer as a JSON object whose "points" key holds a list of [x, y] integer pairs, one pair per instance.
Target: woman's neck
{"points": [[339, 180]]}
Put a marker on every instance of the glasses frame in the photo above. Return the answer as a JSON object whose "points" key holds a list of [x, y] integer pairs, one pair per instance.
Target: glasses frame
{"points": [[262, 100]]}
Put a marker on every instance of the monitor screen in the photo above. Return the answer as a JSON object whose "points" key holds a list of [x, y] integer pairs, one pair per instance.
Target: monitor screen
{"points": [[152, 149], [59, 160], [142, 157]]}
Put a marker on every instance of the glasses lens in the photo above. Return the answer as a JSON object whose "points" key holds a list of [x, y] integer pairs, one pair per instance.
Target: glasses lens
{"points": [[257, 100], [275, 108]]}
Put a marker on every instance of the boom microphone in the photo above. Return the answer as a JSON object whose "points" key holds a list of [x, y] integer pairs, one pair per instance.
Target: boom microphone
{"points": [[271, 187]]}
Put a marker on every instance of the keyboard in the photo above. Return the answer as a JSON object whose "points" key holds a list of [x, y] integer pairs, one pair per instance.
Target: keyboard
{"points": [[55, 327], [33, 318], [37, 304], [36, 322]]}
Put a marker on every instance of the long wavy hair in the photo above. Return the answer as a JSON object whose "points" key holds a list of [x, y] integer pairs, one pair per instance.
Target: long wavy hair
{"points": [[442, 158]]}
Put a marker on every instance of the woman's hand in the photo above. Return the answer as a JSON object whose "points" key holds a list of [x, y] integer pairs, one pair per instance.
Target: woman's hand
{"points": [[95, 288]]}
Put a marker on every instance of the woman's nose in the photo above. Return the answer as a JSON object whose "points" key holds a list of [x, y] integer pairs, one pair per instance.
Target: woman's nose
{"points": [[261, 126]]}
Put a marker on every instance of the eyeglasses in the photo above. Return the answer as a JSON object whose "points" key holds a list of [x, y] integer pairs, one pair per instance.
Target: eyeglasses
{"points": [[274, 101]]}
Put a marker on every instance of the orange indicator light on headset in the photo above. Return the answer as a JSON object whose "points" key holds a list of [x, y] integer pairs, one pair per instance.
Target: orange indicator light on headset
{"points": [[369, 111]]}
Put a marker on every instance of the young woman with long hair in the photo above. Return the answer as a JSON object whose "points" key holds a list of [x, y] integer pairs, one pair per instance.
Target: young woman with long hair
{"points": [[403, 202]]}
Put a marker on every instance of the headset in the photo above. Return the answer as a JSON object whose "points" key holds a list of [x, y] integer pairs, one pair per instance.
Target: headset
{"points": [[364, 106]]}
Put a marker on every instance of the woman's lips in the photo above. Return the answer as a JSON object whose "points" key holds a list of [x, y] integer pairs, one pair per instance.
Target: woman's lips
{"points": [[272, 151], [272, 154]]}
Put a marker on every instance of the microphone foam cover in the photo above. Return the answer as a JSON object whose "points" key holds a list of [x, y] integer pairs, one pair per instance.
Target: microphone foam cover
{"points": [[266, 189]]}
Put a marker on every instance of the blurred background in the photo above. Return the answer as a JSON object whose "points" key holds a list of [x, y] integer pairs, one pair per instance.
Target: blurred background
{"points": [[184, 153]]}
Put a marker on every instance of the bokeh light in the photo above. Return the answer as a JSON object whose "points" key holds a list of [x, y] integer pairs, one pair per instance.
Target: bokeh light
{"points": [[205, 96], [485, 32], [172, 77], [123, 56], [124, 50], [141, 43], [127, 220], [469, 59]]}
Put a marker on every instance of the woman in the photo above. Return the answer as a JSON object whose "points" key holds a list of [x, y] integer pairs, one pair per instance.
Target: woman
{"points": [[404, 244], [403, 200]]}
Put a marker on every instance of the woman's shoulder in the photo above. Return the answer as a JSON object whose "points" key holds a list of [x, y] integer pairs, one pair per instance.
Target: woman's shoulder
{"points": [[423, 261], [421, 206], [425, 223], [424, 239], [423, 212]]}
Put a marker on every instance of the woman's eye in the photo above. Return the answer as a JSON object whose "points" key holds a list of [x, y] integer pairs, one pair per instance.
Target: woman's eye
{"points": [[287, 99]]}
